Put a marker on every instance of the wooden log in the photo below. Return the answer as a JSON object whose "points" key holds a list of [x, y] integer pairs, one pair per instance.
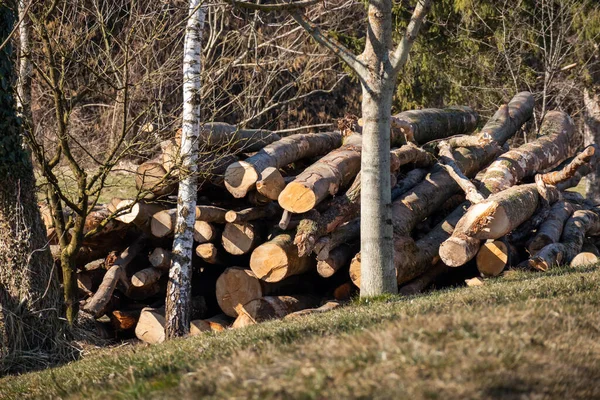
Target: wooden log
{"points": [[143, 293], [557, 144], [411, 154], [237, 286], [338, 258], [209, 253], [160, 258], [551, 229], [491, 219], [220, 134], [205, 232], [325, 177], [152, 177], [569, 171], [211, 214], [347, 233], [241, 177], [495, 256], [271, 307], [257, 199], [137, 213], [163, 223], [271, 183], [213, 167], [408, 181], [96, 306], [251, 214], [581, 224], [151, 326], [344, 292], [422, 126], [218, 323], [124, 320], [278, 259], [449, 164], [589, 255], [238, 239], [147, 276]]}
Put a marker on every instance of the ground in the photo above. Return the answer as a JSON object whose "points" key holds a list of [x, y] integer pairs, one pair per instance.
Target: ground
{"points": [[524, 335]]}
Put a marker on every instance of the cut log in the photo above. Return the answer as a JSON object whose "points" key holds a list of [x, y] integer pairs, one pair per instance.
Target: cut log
{"points": [[339, 258], [218, 323], [422, 126], [147, 276], [278, 259], [160, 258], [580, 224], [411, 154], [490, 219], [238, 239], [213, 167], [271, 307], [569, 171], [152, 177], [257, 199], [558, 143], [495, 256], [323, 178], [237, 286], [205, 232], [347, 233], [139, 213], [163, 223], [219, 134], [408, 181], [208, 252], [151, 326], [449, 164], [251, 214], [96, 306], [344, 292], [584, 259], [211, 214], [551, 229], [271, 183], [124, 320], [241, 177]]}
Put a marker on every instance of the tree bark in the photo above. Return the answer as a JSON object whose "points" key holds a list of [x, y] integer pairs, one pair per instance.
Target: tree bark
{"points": [[581, 224], [323, 178], [222, 135], [346, 233], [177, 304], [30, 295], [557, 144], [241, 177], [591, 135], [551, 229], [422, 126]]}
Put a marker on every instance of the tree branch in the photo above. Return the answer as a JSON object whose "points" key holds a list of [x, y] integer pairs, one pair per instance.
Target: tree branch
{"points": [[275, 7], [400, 55]]}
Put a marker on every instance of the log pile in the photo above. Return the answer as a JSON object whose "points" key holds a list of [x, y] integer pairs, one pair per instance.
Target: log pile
{"points": [[277, 228]]}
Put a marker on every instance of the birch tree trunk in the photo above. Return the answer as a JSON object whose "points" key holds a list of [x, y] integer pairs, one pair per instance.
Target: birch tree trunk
{"points": [[180, 274], [25, 67]]}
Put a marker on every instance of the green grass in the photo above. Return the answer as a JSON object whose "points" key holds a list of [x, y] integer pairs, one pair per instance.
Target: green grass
{"points": [[527, 335]]}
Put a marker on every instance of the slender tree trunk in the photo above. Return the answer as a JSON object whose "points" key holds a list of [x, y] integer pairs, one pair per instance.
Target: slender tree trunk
{"points": [[377, 268], [30, 297], [180, 274], [25, 67]]}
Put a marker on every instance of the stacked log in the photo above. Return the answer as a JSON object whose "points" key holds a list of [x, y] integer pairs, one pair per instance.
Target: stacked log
{"points": [[281, 235]]}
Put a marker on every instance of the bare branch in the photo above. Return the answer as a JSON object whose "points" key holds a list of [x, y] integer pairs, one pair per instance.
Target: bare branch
{"points": [[400, 55]]}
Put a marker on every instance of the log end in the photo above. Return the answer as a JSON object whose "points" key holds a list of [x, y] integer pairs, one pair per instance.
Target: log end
{"points": [[355, 270], [297, 198], [457, 251], [584, 259], [492, 258], [270, 262], [240, 178], [237, 286]]}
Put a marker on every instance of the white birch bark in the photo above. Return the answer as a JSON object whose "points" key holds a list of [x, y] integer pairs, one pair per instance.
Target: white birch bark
{"points": [[180, 273], [25, 66]]}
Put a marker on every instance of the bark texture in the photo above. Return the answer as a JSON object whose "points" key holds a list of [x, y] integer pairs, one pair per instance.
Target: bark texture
{"points": [[177, 304], [30, 297], [557, 144], [551, 229]]}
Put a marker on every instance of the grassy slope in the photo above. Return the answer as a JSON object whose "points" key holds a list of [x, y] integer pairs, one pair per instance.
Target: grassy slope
{"points": [[525, 334]]}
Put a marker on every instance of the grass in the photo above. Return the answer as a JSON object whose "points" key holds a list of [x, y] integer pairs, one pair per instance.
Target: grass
{"points": [[526, 335]]}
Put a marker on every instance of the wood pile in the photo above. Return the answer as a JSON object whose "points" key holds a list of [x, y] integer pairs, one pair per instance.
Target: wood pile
{"points": [[277, 230]]}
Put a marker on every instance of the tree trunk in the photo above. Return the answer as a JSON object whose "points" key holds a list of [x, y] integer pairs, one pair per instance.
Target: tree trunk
{"points": [[241, 177], [177, 304], [546, 152], [29, 291], [278, 259], [591, 135], [323, 178], [217, 135]]}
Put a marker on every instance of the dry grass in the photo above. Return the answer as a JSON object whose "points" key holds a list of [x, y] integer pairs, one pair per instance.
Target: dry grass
{"points": [[523, 336]]}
